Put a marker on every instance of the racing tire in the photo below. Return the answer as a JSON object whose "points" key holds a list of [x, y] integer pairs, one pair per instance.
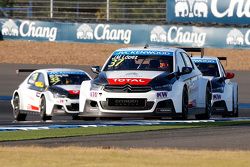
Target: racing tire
{"points": [[18, 116], [184, 113], [75, 117], [43, 114], [236, 108], [208, 107]]}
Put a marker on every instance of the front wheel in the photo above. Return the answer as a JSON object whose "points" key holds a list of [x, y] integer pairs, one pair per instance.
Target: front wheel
{"points": [[208, 107], [184, 113], [236, 107], [43, 114], [18, 116]]}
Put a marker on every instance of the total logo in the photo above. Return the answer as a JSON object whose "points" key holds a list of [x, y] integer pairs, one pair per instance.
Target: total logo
{"points": [[130, 81], [28, 29], [219, 8], [177, 35], [103, 32], [236, 37]]}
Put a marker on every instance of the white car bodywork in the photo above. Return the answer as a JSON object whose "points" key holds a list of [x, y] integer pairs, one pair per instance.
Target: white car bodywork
{"points": [[60, 98], [124, 92], [225, 97]]}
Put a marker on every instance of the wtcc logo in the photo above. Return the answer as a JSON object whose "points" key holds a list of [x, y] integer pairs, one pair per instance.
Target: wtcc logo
{"points": [[236, 37]]}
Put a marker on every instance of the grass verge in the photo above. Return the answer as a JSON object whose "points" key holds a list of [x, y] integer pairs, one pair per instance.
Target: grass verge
{"points": [[96, 157], [55, 133]]}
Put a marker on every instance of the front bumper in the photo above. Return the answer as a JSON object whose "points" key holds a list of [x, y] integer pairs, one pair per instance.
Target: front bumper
{"points": [[66, 106]]}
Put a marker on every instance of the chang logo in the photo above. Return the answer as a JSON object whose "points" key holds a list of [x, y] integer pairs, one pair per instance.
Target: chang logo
{"points": [[158, 34], [10, 28], [235, 37], [191, 8], [85, 32]]}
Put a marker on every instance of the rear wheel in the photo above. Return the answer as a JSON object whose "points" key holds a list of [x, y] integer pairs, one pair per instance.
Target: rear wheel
{"points": [[236, 106], [208, 107], [43, 114], [18, 116]]}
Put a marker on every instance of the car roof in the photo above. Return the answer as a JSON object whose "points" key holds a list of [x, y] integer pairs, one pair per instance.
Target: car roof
{"points": [[205, 57], [59, 70], [150, 48]]}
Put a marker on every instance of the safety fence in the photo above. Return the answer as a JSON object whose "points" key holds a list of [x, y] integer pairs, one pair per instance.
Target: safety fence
{"points": [[146, 11], [167, 35]]}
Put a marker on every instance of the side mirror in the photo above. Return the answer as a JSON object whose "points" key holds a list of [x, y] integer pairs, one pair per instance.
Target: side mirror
{"points": [[229, 75], [95, 69], [186, 70], [39, 84]]}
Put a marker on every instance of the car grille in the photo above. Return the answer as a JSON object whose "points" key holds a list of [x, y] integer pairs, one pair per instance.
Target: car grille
{"points": [[73, 107], [126, 104], [73, 96], [127, 88]]}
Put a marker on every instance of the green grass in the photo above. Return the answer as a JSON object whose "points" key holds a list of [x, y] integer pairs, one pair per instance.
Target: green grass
{"points": [[55, 133]]}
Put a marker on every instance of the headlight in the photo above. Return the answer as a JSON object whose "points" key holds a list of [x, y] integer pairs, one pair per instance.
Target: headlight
{"points": [[166, 87], [57, 95], [218, 90], [96, 87]]}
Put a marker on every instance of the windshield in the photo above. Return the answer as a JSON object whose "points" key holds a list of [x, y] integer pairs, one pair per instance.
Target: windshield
{"points": [[208, 68], [67, 78], [140, 62]]}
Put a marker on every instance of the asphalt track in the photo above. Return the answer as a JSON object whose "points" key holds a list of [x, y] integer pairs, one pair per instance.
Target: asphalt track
{"points": [[233, 137]]}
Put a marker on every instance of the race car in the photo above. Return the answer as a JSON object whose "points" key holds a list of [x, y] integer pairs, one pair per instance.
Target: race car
{"points": [[146, 82], [225, 92], [48, 92]]}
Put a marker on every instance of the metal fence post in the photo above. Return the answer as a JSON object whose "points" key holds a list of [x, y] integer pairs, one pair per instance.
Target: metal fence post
{"points": [[107, 10], [51, 8]]}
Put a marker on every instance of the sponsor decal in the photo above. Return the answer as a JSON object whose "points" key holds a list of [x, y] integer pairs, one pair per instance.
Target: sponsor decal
{"points": [[204, 61], [93, 94], [103, 32], [178, 35], [130, 81], [38, 94], [218, 8], [28, 29], [236, 37], [31, 107], [216, 96], [191, 8], [143, 52], [74, 92], [160, 95]]}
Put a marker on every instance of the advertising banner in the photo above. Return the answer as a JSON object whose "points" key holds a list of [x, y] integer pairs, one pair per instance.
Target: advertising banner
{"points": [[209, 11], [136, 34]]}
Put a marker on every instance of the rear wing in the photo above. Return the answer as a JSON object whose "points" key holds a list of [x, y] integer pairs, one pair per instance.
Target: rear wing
{"points": [[18, 71], [200, 50], [223, 58]]}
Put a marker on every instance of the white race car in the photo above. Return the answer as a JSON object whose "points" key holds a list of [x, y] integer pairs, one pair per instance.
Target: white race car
{"points": [[225, 92], [49, 92], [146, 82]]}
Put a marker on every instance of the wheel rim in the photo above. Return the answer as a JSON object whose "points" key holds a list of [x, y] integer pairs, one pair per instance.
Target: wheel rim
{"points": [[16, 106], [208, 103]]}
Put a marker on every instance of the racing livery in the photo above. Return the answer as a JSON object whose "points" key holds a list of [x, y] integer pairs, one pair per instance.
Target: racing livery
{"points": [[225, 92], [49, 92], [146, 82]]}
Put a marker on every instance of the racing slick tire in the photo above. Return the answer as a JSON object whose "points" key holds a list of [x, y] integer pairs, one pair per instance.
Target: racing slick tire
{"points": [[43, 114], [18, 116], [236, 108], [184, 113], [208, 107], [75, 117]]}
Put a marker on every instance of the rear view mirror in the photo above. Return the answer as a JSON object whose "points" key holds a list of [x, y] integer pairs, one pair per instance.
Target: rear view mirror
{"points": [[95, 69], [186, 70], [229, 75], [39, 84]]}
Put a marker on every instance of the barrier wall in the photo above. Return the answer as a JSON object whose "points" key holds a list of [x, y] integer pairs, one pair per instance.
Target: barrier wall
{"points": [[209, 11], [168, 35]]}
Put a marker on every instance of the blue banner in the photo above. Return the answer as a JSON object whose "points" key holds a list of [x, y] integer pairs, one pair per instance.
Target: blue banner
{"points": [[209, 11], [139, 34]]}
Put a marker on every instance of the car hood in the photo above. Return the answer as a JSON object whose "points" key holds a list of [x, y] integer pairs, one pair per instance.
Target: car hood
{"points": [[71, 89], [131, 77]]}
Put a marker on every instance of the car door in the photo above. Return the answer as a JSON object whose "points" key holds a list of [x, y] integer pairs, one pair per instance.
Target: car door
{"points": [[191, 80], [33, 92]]}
